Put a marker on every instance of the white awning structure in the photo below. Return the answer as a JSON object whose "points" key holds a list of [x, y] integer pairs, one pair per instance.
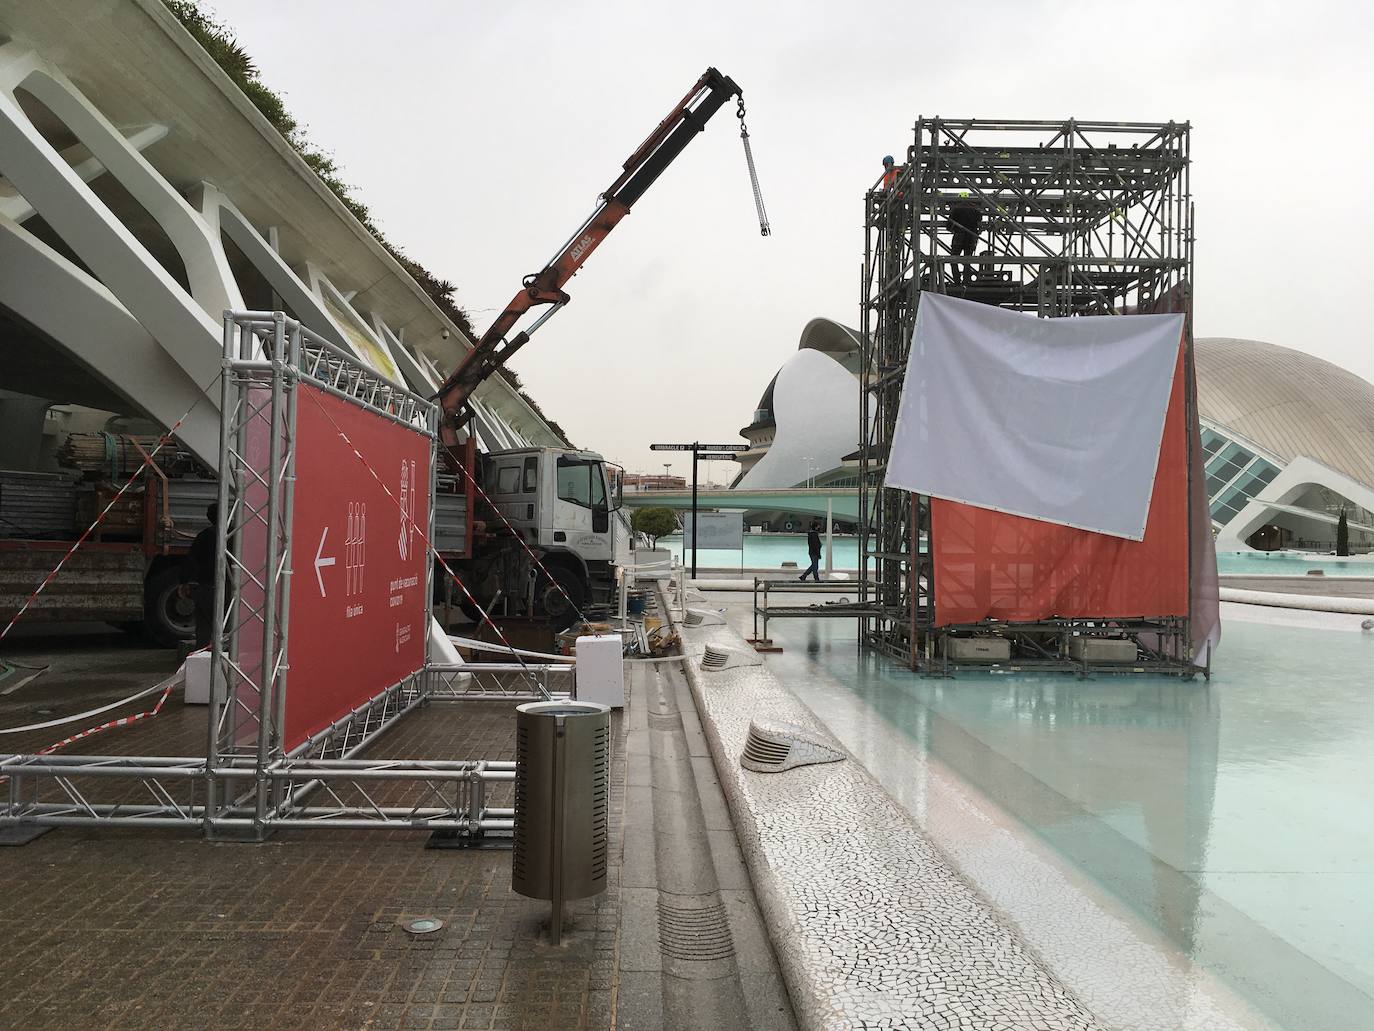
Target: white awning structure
{"points": [[1054, 419]]}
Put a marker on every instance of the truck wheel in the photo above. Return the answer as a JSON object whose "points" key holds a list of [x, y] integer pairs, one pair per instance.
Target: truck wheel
{"points": [[168, 618], [551, 601]]}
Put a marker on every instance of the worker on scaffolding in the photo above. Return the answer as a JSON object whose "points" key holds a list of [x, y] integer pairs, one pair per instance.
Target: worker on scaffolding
{"points": [[891, 172], [965, 223]]}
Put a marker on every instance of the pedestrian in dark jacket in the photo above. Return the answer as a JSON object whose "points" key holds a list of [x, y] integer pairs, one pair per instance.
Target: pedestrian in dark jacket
{"points": [[197, 576], [813, 548]]}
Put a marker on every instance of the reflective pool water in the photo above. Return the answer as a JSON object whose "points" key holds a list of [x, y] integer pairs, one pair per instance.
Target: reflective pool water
{"points": [[770, 551], [1235, 819]]}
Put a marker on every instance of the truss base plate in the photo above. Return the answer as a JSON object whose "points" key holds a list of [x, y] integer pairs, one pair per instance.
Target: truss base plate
{"points": [[21, 834], [496, 841]]}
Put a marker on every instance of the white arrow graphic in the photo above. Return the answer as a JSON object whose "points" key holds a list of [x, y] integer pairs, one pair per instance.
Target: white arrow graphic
{"points": [[322, 561]]}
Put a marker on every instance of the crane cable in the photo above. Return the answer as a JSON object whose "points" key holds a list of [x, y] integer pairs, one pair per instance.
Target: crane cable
{"points": [[764, 228]]}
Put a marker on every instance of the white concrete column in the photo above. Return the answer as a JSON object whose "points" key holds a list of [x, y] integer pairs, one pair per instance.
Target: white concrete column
{"points": [[114, 254], [207, 268], [220, 212], [84, 317]]}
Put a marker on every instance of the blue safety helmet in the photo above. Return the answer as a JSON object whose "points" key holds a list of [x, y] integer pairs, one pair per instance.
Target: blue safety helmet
{"points": [[887, 159]]}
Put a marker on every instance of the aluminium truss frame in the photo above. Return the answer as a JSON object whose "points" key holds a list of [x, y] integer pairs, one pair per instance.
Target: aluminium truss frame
{"points": [[1078, 218], [247, 784]]}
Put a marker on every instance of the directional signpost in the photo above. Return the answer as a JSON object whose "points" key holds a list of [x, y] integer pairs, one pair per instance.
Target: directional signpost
{"points": [[725, 452]]}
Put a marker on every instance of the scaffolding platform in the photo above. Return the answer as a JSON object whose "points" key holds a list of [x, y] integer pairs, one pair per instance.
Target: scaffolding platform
{"points": [[1075, 218], [764, 611]]}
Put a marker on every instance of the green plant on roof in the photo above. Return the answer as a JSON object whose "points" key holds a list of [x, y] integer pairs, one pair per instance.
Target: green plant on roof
{"points": [[227, 52]]}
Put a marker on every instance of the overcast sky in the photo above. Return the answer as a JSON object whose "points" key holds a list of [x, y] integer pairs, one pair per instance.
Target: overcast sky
{"points": [[481, 133]]}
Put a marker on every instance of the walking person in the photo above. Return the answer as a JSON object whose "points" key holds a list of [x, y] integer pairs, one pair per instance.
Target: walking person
{"points": [[813, 547]]}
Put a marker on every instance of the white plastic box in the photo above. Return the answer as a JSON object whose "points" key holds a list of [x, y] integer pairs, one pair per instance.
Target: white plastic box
{"points": [[1101, 649], [600, 670], [978, 649], [198, 678]]}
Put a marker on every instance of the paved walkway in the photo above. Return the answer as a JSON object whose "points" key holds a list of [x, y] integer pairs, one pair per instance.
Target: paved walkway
{"points": [[163, 930]]}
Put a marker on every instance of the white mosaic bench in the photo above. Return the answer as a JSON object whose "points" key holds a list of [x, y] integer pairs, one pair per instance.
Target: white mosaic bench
{"points": [[872, 926]]}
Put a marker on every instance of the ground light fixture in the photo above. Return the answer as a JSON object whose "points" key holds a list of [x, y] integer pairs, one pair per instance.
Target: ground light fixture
{"points": [[424, 925]]}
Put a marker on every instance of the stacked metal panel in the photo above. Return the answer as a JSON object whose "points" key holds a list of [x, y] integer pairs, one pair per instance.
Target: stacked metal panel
{"points": [[37, 506]]}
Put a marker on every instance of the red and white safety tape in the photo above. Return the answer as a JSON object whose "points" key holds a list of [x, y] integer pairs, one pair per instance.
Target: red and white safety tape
{"points": [[123, 721], [165, 686]]}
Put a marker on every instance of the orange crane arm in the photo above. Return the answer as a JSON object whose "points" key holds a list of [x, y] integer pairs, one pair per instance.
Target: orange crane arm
{"points": [[545, 287]]}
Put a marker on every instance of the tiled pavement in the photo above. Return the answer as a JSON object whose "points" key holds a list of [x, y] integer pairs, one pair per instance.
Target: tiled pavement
{"points": [[163, 930]]}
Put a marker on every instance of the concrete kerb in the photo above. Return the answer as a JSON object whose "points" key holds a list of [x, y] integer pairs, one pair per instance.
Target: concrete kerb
{"points": [[1310, 602], [871, 924]]}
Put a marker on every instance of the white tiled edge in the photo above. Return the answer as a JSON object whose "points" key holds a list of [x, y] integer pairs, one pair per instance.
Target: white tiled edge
{"points": [[872, 926]]}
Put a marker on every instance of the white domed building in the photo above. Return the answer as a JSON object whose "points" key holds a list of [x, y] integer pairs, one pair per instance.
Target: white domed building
{"points": [[1290, 443], [807, 421]]}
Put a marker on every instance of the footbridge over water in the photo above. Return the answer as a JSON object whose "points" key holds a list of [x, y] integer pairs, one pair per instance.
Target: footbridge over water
{"points": [[840, 502]]}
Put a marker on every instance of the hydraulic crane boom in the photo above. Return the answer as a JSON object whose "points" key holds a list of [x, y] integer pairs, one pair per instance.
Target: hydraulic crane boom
{"points": [[545, 287]]}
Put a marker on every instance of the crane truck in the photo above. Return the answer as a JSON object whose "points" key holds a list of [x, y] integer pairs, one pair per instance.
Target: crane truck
{"points": [[533, 531], [563, 506]]}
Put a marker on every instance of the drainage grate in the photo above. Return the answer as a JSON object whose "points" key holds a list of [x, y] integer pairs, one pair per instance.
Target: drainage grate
{"points": [[773, 746], [665, 720], [764, 752], [714, 658], [698, 933]]}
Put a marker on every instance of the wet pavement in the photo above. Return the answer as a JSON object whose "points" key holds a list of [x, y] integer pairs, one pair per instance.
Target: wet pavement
{"points": [[162, 930], [1165, 845]]}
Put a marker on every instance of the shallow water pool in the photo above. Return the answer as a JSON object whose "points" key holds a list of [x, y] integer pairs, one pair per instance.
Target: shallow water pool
{"points": [[1235, 819], [770, 551]]}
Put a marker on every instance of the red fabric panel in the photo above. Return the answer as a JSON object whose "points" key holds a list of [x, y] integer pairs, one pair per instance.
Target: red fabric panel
{"points": [[358, 623], [989, 565]]}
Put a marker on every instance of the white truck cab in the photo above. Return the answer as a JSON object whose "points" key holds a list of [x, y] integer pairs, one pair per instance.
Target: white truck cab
{"points": [[563, 504]]}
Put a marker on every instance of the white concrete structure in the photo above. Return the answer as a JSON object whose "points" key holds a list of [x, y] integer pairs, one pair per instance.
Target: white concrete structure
{"points": [[807, 420], [142, 194]]}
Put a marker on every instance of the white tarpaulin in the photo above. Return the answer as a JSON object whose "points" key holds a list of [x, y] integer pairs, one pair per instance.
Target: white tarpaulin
{"points": [[1055, 419]]}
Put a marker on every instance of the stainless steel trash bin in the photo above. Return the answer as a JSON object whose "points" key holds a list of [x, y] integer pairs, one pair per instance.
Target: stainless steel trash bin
{"points": [[562, 798]]}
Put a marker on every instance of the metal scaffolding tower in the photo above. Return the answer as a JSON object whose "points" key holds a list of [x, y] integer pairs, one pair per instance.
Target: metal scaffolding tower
{"points": [[1077, 218]]}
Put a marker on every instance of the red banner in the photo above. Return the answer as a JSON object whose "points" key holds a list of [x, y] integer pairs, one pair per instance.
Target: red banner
{"points": [[359, 610], [994, 566]]}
